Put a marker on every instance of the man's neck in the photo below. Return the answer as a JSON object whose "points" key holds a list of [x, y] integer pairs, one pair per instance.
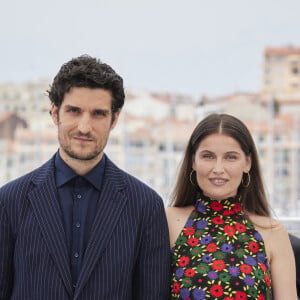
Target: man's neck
{"points": [[79, 166]]}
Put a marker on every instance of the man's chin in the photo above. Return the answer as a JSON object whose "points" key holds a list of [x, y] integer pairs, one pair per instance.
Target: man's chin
{"points": [[84, 156]]}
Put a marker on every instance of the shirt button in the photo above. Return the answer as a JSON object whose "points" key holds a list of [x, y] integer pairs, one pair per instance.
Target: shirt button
{"points": [[76, 254], [77, 224], [78, 196]]}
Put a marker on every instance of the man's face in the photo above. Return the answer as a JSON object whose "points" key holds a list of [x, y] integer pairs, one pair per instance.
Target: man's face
{"points": [[84, 122]]}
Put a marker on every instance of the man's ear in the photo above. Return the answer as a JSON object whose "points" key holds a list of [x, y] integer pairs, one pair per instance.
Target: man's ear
{"points": [[54, 113], [116, 117]]}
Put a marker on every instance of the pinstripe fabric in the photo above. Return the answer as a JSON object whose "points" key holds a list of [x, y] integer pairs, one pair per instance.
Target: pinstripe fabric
{"points": [[127, 256]]}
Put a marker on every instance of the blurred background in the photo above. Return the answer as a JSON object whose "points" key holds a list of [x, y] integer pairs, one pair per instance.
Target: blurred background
{"points": [[180, 61]]}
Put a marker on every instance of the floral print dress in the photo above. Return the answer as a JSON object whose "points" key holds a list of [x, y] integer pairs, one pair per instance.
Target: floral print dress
{"points": [[219, 255]]}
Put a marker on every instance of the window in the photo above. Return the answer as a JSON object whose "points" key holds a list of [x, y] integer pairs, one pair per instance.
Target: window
{"points": [[295, 70]]}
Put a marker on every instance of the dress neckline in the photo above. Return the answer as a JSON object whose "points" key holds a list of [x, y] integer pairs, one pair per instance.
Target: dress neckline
{"points": [[227, 207]]}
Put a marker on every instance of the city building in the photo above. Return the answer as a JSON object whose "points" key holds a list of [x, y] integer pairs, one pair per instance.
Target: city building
{"points": [[281, 78]]}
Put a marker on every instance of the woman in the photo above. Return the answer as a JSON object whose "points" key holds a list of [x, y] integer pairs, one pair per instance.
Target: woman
{"points": [[225, 244]]}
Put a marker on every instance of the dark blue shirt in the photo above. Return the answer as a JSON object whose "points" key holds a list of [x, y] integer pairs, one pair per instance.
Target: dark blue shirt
{"points": [[78, 197]]}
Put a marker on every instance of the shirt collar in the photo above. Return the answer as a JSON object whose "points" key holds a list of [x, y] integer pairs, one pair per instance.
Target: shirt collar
{"points": [[63, 173]]}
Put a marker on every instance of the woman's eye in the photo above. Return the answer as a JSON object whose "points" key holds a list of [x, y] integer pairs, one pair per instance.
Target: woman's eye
{"points": [[231, 157]]}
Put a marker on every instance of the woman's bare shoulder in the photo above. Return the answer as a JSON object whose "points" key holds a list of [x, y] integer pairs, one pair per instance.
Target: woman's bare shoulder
{"points": [[177, 217], [174, 212], [179, 209], [266, 222]]}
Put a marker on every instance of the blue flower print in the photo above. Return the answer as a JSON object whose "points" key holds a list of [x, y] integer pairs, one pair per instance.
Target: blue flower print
{"points": [[207, 258], [189, 223], [261, 257], [185, 293], [226, 248], [206, 240], [199, 294], [201, 224], [212, 275], [249, 260], [258, 236], [201, 207], [234, 271], [179, 272], [249, 280]]}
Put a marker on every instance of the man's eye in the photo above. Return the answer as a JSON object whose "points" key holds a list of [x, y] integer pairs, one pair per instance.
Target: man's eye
{"points": [[100, 113], [73, 110]]}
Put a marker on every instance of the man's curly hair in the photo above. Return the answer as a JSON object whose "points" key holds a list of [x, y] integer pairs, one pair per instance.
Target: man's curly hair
{"points": [[89, 72]]}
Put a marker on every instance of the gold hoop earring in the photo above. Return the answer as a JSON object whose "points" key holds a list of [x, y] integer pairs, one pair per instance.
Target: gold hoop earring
{"points": [[191, 178], [246, 184]]}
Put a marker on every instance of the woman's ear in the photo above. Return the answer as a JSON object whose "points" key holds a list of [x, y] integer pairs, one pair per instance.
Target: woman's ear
{"points": [[248, 163], [193, 162]]}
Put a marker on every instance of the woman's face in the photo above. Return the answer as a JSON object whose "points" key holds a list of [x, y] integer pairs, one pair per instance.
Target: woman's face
{"points": [[219, 163]]}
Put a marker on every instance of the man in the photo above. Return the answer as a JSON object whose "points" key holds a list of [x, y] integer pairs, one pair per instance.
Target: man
{"points": [[78, 227]]}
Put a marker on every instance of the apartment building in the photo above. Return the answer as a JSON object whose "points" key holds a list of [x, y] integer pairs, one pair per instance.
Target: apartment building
{"points": [[281, 77]]}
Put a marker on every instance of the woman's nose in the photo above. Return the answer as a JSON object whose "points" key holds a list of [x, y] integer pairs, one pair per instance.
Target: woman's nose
{"points": [[218, 166]]}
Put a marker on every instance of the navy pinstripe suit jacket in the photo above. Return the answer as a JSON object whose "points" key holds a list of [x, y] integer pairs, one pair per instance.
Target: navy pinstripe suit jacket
{"points": [[127, 256]]}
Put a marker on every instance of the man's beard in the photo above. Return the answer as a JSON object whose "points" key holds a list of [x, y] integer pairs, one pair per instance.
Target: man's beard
{"points": [[89, 156], [76, 154]]}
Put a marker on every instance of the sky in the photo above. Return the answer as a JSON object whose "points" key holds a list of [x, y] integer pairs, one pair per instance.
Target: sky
{"points": [[193, 47]]}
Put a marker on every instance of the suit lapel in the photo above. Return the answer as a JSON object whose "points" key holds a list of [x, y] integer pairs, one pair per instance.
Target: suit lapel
{"points": [[47, 211], [110, 205]]}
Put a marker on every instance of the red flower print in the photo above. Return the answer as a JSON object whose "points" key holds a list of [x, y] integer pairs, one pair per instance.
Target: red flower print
{"points": [[218, 220], [240, 227], [189, 230], [217, 206], [245, 269], [212, 247], [263, 267], [240, 295], [253, 246], [189, 272], [193, 241], [228, 298], [229, 230], [218, 265], [216, 290], [228, 212], [237, 207], [261, 297], [267, 280], [176, 287], [183, 261]]}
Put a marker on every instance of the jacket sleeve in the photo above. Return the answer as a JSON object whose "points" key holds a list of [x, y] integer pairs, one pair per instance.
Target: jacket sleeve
{"points": [[6, 255], [151, 279]]}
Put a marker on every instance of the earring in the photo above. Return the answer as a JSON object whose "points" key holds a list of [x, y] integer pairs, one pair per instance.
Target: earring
{"points": [[191, 178], [247, 183]]}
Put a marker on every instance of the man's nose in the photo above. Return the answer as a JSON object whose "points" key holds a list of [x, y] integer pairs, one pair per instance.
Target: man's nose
{"points": [[84, 125]]}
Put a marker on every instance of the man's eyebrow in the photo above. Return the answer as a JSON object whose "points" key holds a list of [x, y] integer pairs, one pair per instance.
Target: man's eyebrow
{"points": [[68, 106]]}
